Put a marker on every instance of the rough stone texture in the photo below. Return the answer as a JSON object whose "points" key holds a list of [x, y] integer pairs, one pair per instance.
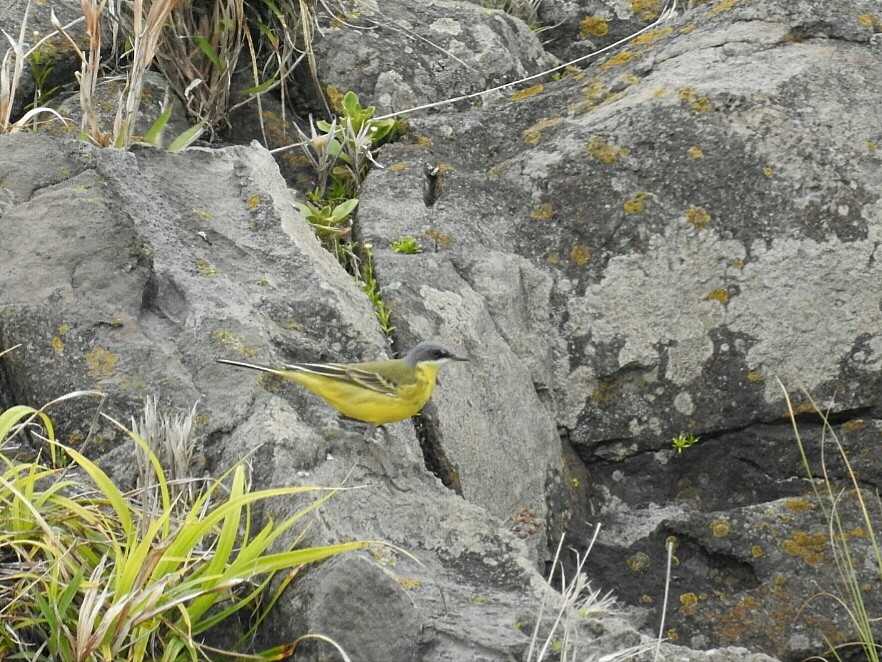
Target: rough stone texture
{"points": [[498, 447], [406, 53], [107, 284], [574, 28], [683, 223], [778, 559]]}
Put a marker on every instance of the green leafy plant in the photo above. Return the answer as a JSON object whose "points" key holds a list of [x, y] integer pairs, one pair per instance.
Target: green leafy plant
{"points": [[340, 153], [359, 117], [407, 245], [329, 221], [154, 135], [11, 68], [42, 63], [91, 575], [371, 287], [683, 441]]}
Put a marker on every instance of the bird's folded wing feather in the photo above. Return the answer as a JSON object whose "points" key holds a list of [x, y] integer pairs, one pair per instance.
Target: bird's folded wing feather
{"points": [[368, 379]]}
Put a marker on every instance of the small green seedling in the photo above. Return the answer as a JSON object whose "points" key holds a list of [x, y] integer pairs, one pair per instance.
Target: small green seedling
{"points": [[407, 245], [371, 288], [683, 441]]}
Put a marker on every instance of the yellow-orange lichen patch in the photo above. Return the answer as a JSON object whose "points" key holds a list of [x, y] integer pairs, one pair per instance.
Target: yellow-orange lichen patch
{"points": [[698, 104], [698, 217], [400, 166], [635, 204], [543, 212], [798, 505], [628, 80], [810, 547], [595, 90], [620, 58], [866, 21], [755, 376], [734, 623], [605, 152], [720, 294], [409, 583], [651, 36], [757, 552], [646, 10], [688, 604], [528, 92], [580, 255], [720, 528], [768, 171], [593, 26], [57, 345], [695, 152], [638, 562], [101, 363], [532, 134], [721, 6]]}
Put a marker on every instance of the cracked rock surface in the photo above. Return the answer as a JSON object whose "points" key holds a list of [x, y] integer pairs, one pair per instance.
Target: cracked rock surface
{"points": [[631, 252], [659, 239], [131, 273]]}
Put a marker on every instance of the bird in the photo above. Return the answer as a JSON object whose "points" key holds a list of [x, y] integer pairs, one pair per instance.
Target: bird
{"points": [[374, 392]]}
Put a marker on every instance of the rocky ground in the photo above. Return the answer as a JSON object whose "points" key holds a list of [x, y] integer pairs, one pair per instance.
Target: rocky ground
{"points": [[630, 251]]}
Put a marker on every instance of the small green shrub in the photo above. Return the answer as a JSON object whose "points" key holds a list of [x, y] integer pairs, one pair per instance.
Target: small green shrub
{"points": [[407, 245], [683, 441]]}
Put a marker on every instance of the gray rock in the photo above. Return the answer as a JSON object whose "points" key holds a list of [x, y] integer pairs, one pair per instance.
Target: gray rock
{"points": [[404, 53], [684, 222], [107, 284], [575, 28]]}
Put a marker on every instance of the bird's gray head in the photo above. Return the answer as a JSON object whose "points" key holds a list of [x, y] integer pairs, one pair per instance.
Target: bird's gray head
{"points": [[430, 351]]}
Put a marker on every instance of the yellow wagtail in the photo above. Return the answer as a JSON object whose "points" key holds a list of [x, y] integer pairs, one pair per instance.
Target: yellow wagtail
{"points": [[376, 392]]}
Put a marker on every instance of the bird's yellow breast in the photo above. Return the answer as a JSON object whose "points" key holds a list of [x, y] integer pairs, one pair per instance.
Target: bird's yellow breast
{"points": [[360, 403]]}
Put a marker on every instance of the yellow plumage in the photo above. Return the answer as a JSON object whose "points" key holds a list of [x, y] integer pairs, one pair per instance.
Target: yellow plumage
{"points": [[376, 392], [363, 404]]}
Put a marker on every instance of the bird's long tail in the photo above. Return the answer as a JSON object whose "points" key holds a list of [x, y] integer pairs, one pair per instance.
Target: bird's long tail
{"points": [[254, 366]]}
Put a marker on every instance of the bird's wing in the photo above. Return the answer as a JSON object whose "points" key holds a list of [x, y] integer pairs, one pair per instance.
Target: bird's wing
{"points": [[369, 379]]}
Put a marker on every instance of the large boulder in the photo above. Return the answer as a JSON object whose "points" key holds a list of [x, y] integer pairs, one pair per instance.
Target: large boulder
{"points": [[641, 250], [400, 54], [131, 272]]}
